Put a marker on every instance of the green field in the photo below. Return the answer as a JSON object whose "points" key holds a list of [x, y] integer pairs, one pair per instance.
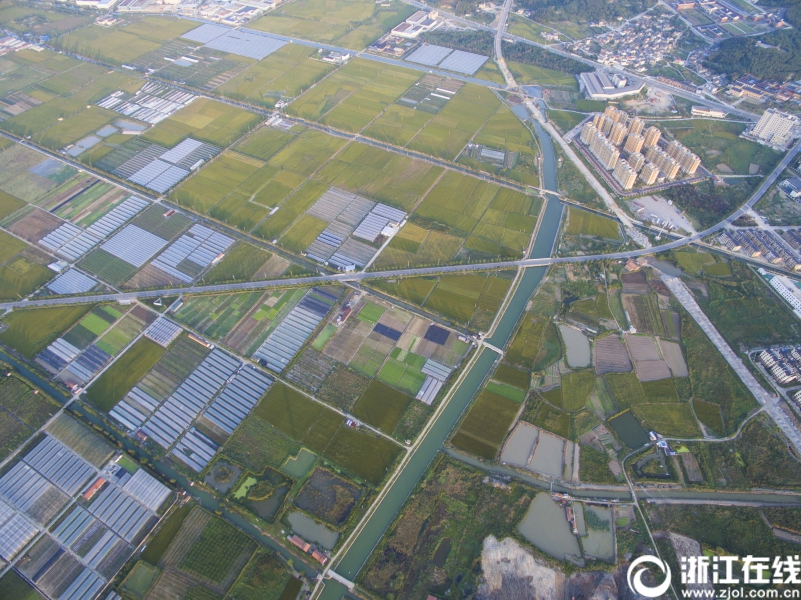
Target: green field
{"points": [[14, 587], [286, 73], [351, 23], [363, 453], [140, 579], [81, 440], [380, 175], [288, 410], [121, 376], [415, 246], [239, 264], [205, 120], [694, 262], [381, 406], [31, 330], [264, 578], [581, 222], [660, 391], [674, 420], [514, 377], [355, 95], [449, 131], [217, 550], [576, 388], [709, 415], [486, 425]]}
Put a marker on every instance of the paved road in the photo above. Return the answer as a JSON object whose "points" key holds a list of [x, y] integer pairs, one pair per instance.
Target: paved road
{"points": [[770, 404], [507, 75]]}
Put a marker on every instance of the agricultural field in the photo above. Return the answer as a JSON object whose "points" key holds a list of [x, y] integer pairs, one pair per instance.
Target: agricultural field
{"points": [[354, 96], [28, 176], [205, 120], [416, 246], [505, 132], [496, 221], [241, 321], [471, 299], [81, 440], [583, 223], [286, 73], [31, 330], [352, 24], [118, 379], [380, 175], [463, 116], [244, 185], [197, 551], [23, 410], [40, 21], [125, 44], [487, 422], [285, 415], [245, 262], [23, 269]]}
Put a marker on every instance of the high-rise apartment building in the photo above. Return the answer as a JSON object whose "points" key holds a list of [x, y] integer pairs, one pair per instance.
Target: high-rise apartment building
{"points": [[624, 174], [652, 135], [636, 125], [634, 142], [618, 133], [636, 161], [649, 173]]}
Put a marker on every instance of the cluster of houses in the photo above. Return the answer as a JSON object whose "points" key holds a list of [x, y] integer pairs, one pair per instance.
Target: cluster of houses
{"points": [[784, 364], [754, 88], [764, 244], [402, 37]]}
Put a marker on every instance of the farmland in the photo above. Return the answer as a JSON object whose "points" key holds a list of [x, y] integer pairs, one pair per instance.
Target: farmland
{"points": [[23, 411], [352, 23], [284, 74], [485, 427], [471, 299], [31, 330], [586, 223], [355, 95], [117, 381]]}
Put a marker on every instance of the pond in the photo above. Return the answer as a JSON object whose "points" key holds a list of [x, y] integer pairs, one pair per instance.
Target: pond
{"points": [[546, 527], [548, 455], [517, 449], [600, 540], [577, 347], [298, 466], [629, 430], [311, 530], [266, 508]]}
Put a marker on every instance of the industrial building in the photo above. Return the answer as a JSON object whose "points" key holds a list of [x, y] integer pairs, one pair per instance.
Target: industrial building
{"points": [[600, 86]]}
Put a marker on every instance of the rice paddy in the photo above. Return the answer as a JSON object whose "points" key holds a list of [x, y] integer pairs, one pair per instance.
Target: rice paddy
{"points": [[33, 329], [582, 222], [486, 425], [355, 95]]}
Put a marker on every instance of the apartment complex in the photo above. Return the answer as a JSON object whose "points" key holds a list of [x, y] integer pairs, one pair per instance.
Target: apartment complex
{"points": [[625, 175]]}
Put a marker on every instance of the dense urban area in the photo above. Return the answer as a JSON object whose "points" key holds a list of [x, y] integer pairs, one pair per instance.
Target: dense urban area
{"points": [[399, 299]]}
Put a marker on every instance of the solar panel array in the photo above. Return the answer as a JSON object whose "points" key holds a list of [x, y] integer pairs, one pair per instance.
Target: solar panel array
{"points": [[71, 282], [89, 544], [71, 242], [200, 246], [238, 398], [173, 417], [242, 42], [452, 60], [134, 245], [152, 103], [290, 335]]}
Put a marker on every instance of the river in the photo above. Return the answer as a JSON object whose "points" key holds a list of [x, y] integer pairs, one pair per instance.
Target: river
{"points": [[361, 548]]}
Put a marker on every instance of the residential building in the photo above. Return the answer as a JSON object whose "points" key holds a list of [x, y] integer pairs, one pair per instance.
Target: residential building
{"points": [[617, 115], [604, 151], [625, 175], [649, 173], [603, 123], [664, 161], [618, 133], [776, 128], [652, 135], [688, 161], [634, 143], [637, 125], [636, 161], [588, 132]]}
